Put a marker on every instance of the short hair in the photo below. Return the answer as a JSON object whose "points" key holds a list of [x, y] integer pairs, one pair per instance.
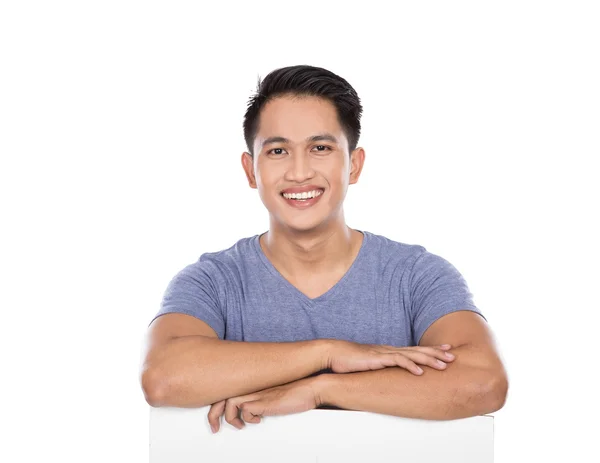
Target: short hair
{"points": [[304, 80]]}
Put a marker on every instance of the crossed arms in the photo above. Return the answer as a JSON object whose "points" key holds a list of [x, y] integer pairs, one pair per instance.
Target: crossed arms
{"points": [[186, 365]]}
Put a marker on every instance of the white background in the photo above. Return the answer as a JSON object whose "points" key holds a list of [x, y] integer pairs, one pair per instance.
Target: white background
{"points": [[121, 137]]}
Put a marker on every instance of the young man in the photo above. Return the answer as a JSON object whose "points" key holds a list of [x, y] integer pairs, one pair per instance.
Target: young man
{"points": [[268, 326]]}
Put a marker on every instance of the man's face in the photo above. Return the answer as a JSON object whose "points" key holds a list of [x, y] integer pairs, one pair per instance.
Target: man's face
{"points": [[301, 143]]}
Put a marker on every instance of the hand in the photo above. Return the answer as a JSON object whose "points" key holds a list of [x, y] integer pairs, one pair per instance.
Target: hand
{"points": [[295, 397], [348, 357]]}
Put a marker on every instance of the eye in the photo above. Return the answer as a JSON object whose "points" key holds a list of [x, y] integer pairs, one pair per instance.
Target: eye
{"points": [[323, 148], [275, 151]]}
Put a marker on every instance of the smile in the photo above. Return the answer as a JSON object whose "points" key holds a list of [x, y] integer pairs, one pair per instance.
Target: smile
{"points": [[302, 200]]}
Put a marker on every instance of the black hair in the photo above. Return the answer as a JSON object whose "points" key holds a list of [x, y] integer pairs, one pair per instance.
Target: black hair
{"points": [[304, 80]]}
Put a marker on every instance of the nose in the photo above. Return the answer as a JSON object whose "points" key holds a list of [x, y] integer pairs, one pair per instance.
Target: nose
{"points": [[300, 167]]}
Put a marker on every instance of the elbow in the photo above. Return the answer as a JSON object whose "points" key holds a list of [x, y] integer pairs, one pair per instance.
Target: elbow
{"points": [[491, 394], [161, 390], [482, 397], [152, 388], [497, 393]]}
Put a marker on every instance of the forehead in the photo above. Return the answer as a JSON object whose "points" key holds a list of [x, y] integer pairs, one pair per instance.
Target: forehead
{"points": [[297, 118]]}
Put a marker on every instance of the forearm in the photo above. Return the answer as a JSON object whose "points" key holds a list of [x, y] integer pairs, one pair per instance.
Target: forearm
{"points": [[195, 371], [460, 391]]}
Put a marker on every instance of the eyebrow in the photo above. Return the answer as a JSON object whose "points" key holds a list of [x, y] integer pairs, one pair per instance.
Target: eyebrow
{"points": [[312, 139]]}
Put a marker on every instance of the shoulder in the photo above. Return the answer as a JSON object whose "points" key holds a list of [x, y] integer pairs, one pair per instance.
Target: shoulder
{"points": [[392, 252], [221, 265], [433, 265], [414, 260], [239, 251]]}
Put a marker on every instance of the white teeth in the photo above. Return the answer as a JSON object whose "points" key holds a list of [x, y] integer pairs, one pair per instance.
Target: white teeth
{"points": [[305, 195]]}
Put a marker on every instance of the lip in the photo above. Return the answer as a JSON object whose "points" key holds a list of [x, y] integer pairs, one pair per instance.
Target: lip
{"points": [[302, 189], [303, 204]]}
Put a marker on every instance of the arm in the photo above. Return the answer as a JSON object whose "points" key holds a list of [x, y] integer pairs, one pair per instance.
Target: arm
{"points": [[186, 365], [474, 384]]}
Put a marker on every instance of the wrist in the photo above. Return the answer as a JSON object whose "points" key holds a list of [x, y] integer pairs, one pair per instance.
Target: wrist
{"points": [[322, 385], [325, 348]]}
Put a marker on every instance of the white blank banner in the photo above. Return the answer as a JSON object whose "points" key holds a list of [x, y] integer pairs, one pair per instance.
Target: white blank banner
{"points": [[181, 435]]}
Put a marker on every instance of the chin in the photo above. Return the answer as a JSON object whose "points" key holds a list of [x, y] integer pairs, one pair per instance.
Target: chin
{"points": [[304, 225]]}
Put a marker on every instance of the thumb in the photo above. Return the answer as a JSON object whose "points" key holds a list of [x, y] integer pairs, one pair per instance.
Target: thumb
{"points": [[253, 411]]}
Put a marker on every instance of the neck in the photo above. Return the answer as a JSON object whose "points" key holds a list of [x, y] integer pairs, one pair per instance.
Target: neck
{"points": [[310, 252]]}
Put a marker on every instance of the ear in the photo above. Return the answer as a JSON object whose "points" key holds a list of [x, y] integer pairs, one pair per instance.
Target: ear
{"points": [[248, 165], [357, 160]]}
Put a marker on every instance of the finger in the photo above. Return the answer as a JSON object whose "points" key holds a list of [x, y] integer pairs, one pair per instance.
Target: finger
{"points": [[397, 359], [232, 414], [409, 360], [252, 412], [427, 359], [440, 354], [214, 415], [431, 351], [443, 347]]}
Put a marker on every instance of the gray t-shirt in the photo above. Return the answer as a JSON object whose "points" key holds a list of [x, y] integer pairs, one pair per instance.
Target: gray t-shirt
{"points": [[390, 295]]}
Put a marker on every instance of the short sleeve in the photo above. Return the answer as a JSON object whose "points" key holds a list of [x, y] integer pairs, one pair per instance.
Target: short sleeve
{"points": [[193, 292], [436, 289]]}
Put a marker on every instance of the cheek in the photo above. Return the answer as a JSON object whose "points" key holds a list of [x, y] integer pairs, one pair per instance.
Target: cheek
{"points": [[261, 174], [264, 178], [336, 175], [266, 181]]}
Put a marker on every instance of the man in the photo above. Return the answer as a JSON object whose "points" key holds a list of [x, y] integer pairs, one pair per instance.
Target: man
{"points": [[268, 326]]}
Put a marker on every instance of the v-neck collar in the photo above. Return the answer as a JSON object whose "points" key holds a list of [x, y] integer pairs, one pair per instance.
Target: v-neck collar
{"points": [[325, 296]]}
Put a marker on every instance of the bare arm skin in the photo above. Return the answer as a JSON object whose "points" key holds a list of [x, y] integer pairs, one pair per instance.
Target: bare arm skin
{"points": [[475, 384], [186, 365]]}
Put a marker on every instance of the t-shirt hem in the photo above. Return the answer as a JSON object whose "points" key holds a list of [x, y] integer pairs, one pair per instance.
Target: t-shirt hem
{"points": [[455, 308], [210, 323]]}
